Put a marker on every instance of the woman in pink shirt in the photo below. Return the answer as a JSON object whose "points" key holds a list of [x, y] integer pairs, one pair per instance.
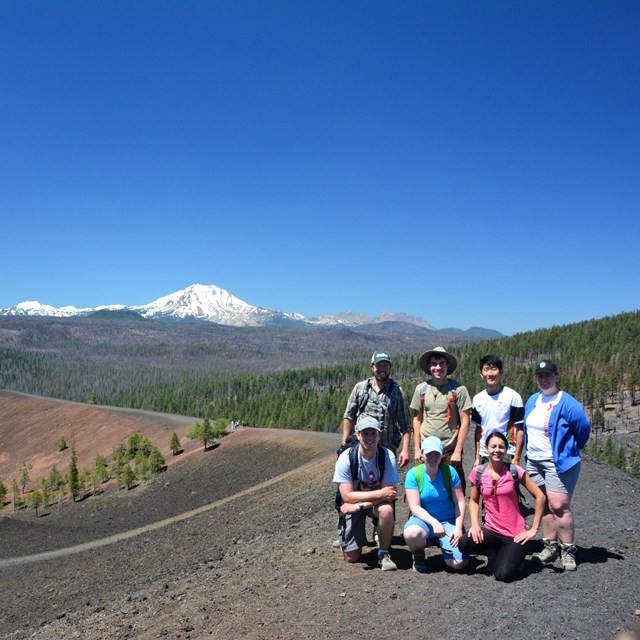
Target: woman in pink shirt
{"points": [[504, 531]]}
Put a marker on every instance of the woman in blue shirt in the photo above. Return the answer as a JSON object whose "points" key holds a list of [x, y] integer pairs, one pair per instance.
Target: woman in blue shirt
{"points": [[437, 505]]}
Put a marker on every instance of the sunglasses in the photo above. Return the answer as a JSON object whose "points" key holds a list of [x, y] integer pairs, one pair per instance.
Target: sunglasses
{"points": [[494, 487]]}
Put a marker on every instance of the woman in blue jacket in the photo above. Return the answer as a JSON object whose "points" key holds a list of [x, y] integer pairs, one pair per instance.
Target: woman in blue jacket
{"points": [[555, 428]]}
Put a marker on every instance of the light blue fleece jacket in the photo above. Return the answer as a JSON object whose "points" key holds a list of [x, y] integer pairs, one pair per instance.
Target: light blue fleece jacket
{"points": [[569, 430]]}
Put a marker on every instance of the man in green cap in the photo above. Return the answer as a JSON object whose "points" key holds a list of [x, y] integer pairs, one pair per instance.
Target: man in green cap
{"points": [[442, 408], [381, 398]]}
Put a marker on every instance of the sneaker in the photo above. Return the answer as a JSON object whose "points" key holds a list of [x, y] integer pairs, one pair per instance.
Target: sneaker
{"points": [[419, 562], [568, 554], [550, 552], [386, 563], [336, 544]]}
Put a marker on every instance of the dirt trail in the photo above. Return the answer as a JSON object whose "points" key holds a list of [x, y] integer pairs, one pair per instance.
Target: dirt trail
{"points": [[120, 537]]}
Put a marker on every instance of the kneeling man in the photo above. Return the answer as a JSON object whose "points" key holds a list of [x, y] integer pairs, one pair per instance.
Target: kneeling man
{"points": [[366, 476]]}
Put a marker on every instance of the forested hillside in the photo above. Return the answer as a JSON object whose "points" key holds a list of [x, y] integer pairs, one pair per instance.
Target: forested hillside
{"points": [[598, 360], [147, 366], [109, 360]]}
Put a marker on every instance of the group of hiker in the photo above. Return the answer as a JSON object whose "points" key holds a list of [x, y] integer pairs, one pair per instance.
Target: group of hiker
{"points": [[545, 435]]}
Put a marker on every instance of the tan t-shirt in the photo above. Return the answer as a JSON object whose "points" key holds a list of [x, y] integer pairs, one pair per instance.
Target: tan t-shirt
{"points": [[440, 411]]}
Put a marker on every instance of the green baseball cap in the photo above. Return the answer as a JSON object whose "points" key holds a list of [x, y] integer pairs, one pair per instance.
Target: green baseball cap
{"points": [[379, 356]]}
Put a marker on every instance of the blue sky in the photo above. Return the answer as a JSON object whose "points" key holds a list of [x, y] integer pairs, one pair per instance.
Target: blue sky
{"points": [[472, 163]]}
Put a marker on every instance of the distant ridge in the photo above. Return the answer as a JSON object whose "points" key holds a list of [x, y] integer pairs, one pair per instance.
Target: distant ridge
{"points": [[476, 332], [117, 314], [213, 304]]}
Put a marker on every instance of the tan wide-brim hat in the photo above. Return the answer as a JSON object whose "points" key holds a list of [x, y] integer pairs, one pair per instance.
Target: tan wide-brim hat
{"points": [[441, 353]]}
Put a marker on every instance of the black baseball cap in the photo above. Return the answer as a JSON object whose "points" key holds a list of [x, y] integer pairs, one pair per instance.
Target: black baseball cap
{"points": [[546, 366]]}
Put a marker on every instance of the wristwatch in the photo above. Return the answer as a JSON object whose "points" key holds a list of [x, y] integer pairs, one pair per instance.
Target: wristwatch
{"points": [[361, 505]]}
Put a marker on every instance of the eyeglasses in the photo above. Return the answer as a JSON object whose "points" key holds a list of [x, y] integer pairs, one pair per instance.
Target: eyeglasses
{"points": [[494, 487]]}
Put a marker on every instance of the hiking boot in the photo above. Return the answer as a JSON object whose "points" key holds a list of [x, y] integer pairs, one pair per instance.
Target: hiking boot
{"points": [[549, 553], [386, 563], [568, 555], [419, 562]]}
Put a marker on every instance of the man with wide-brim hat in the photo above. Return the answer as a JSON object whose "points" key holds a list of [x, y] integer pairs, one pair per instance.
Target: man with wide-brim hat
{"points": [[442, 408], [452, 363]]}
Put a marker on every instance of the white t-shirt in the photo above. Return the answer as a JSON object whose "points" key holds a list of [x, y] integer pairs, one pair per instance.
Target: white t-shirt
{"points": [[502, 412], [368, 472], [538, 443]]}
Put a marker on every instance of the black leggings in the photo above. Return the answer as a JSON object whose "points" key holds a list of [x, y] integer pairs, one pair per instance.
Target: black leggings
{"points": [[509, 554]]}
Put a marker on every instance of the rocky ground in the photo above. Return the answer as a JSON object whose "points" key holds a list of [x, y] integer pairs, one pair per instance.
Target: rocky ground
{"points": [[241, 548]]}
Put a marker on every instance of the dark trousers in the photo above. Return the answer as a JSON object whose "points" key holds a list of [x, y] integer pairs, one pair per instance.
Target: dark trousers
{"points": [[509, 554]]}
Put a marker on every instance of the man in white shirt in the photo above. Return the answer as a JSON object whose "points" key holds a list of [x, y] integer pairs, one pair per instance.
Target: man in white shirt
{"points": [[497, 408]]}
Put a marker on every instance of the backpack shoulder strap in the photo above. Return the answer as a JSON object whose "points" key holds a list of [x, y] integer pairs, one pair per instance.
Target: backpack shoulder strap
{"points": [[423, 393], [514, 474], [479, 472], [513, 470], [381, 461], [354, 462], [392, 400], [446, 477], [420, 476], [452, 396], [364, 397], [353, 468]]}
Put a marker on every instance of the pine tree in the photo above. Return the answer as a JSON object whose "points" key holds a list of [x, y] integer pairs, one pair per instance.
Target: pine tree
{"points": [[100, 473], [55, 479], [74, 479], [15, 495], [156, 461], [202, 431], [24, 476], [608, 452], [619, 459], [174, 445], [35, 500], [127, 476]]}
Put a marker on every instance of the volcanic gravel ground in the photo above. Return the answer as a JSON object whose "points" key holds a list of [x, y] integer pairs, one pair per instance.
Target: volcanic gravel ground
{"points": [[254, 560]]}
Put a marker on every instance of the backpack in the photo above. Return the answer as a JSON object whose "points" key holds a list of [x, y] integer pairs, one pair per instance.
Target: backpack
{"points": [[354, 466], [446, 477], [392, 403], [522, 505], [452, 401], [392, 399]]}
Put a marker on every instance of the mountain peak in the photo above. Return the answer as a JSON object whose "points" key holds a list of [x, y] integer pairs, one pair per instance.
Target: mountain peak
{"points": [[211, 303]]}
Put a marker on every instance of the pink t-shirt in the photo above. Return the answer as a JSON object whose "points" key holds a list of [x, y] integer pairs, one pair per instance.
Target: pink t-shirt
{"points": [[501, 512]]}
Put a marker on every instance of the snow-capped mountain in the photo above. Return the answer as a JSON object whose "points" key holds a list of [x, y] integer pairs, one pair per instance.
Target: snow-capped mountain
{"points": [[213, 304], [34, 308], [210, 303], [355, 319]]}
